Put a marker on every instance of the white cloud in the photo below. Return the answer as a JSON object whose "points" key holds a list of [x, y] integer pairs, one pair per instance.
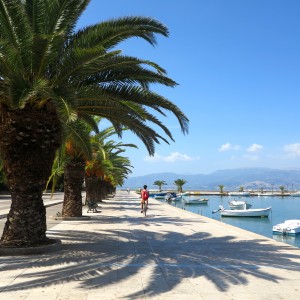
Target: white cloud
{"points": [[255, 148], [228, 147], [293, 149], [173, 157]]}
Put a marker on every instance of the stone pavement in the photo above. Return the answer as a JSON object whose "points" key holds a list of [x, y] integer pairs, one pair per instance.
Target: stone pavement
{"points": [[170, 254]]}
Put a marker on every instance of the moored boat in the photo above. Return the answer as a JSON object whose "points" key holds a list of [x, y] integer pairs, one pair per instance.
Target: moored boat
{"points": [[235, 204], [296, 194], [239, 194], [196, 201], [267, 194], [289, 227], [157, 194], [183, 194], [170, 197], [255, 212]]}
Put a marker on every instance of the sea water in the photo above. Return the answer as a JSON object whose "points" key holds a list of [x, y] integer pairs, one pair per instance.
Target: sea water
{"points": [[283, 208]]}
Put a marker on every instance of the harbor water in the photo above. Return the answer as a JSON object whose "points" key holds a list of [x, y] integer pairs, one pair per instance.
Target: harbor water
{"points": [[283, 208]]}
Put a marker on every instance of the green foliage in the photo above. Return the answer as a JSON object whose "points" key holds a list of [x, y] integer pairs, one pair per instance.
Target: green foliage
{"points": [[180, 183], [45, 60], [221, 187], [159, 183], [282, 189]]}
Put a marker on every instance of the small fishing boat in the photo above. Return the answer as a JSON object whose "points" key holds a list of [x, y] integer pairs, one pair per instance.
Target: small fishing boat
{"points": [[235, 204], [289, 227], [171, 197], [196, 201], [255, 212], [267, 194], [183, 194], [296, 194], [239, 194], [157, 195]]}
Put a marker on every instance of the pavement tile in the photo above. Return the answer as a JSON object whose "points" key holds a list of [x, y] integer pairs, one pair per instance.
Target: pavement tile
{"points": [[170, 254]]}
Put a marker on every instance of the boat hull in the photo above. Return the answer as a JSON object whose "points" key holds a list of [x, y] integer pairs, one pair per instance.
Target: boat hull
{"points": [[263, 212], [297, 194], [196, 201], [239, 194], [289, 227]]}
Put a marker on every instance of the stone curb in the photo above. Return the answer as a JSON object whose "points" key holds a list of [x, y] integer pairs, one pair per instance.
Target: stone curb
{"points": [[31, 250], [70, 218]]}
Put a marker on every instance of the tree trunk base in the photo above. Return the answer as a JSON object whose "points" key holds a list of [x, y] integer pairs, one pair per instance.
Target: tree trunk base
{"points": [[71, 218], [51, 245]]}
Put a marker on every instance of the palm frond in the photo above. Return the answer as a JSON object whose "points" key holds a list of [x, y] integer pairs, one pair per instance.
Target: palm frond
{"points": [[112, 32]]}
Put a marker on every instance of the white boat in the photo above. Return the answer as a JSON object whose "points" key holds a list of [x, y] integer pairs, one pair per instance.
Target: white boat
{"points": [[172, 197], [255, 212], [235, 204], [296, 194], [177, 198], [267, 194], [196, 201], [239, 194], [183, 194], [168, 197], [289, 227]]}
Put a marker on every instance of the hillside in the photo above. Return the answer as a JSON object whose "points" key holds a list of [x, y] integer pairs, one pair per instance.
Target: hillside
{"points": [[249, 178]]}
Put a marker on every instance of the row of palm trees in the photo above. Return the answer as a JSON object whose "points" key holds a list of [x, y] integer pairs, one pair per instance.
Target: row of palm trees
{"points": [[54, 80], [181, 182], [178, 182]]}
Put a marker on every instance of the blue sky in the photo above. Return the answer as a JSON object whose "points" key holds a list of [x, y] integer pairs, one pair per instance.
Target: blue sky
{"points": [[237, 64]]}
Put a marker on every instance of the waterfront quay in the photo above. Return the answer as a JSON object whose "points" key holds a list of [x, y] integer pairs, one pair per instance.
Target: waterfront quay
{"points": [[217, 193], [169, 254]]}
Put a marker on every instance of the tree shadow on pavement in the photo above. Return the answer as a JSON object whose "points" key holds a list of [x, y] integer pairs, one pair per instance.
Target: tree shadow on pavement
{"points": [[156, 261]]}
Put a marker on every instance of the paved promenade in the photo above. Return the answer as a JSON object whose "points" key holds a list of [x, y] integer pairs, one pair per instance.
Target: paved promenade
{"points": [[170, 254]]}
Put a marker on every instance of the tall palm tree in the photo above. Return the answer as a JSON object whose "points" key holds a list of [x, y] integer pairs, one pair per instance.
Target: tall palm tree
{"points": [[180, 183], [221, 187], [78, 149], [70, 160], [51, 74], [106, 163], [159, 183], [282, 189]]}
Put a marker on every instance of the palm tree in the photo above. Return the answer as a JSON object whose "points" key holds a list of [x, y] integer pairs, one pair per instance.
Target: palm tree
{"points": [[180, 183], [74, 157], [105, 164], [159, 183], [70, 162], [51, 75], [282, 188], [221, 187]]}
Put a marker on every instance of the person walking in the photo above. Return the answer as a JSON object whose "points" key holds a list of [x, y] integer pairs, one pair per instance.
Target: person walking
{"points": [[144, 197]]}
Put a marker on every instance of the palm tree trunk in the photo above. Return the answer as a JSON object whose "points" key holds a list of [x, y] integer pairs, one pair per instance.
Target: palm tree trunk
{"points": [[73, 181], [28, 141], [93, 188]]}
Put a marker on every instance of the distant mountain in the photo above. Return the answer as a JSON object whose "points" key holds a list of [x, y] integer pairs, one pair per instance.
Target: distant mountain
{"points": [[249, 178]]}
